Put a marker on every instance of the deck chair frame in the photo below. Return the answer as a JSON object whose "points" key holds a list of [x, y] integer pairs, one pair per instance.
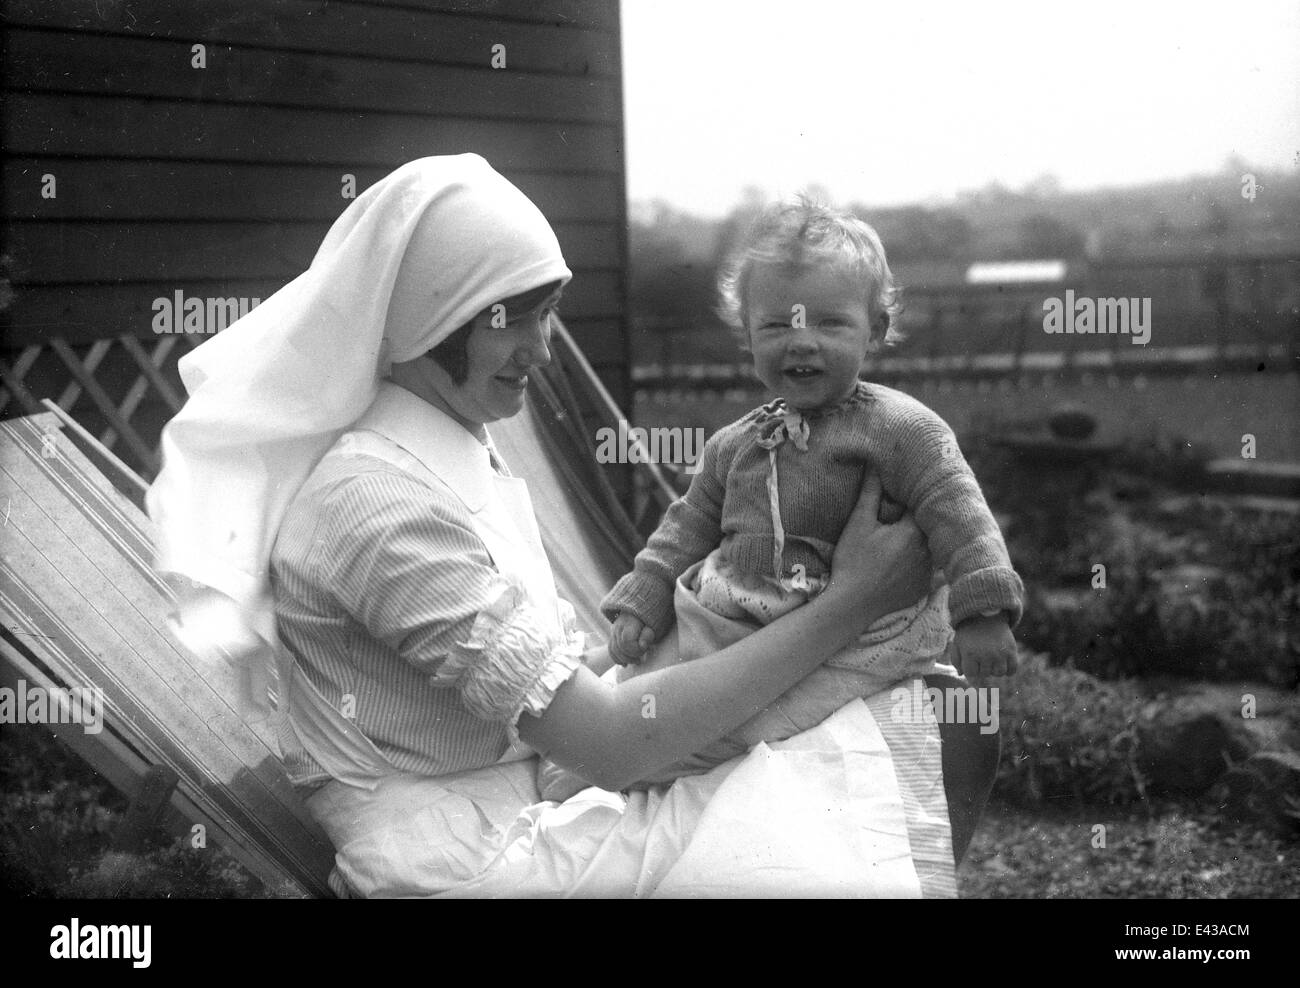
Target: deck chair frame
{"points": [[82, 607]]}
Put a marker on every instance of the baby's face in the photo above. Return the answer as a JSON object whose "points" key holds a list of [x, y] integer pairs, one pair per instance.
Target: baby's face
{"points": [[809, 330]]}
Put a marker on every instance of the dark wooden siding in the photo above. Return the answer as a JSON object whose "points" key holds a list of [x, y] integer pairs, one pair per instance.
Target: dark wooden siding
{"points": [[222, 181]]}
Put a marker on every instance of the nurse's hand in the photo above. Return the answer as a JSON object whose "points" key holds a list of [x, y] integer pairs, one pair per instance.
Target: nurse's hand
{"points": [[888, 566]]}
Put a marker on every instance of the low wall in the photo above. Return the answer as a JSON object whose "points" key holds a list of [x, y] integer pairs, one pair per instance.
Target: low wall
{"points": [[1213, 410]]}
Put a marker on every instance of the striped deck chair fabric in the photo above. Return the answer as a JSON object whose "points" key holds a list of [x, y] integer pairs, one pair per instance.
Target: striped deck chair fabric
{"points": [[82, 607]]}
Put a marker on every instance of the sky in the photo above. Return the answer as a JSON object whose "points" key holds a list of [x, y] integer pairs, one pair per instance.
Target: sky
{"points": [[890, 103]]}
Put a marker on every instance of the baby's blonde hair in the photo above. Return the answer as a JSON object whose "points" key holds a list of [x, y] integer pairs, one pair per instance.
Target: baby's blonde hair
{"points": [[802, 233]]}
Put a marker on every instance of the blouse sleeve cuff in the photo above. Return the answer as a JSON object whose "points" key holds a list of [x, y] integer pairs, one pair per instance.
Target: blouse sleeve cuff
{"points": [[513, 661]]}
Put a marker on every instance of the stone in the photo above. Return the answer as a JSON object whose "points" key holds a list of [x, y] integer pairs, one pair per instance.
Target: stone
{"points": [[1186, 744], [1264, 789]]}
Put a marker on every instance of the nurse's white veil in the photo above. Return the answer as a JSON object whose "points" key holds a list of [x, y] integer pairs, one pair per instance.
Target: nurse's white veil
{"points": [[417, 255]]}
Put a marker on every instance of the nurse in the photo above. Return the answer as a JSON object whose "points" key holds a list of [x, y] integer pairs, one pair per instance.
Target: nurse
{"points": [[336, 514]]}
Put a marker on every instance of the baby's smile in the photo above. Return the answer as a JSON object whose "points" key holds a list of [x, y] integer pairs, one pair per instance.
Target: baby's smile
{"points": [[809, 329]]}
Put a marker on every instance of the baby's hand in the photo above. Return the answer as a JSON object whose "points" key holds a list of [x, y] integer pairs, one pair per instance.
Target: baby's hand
{"points": [[629, 639], [985, 647]]}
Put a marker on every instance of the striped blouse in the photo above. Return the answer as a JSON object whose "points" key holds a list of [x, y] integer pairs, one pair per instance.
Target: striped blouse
{"points": [[391, 605]]}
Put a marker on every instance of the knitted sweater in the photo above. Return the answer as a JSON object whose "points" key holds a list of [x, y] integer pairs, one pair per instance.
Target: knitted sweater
{"points": [[820, 470]]}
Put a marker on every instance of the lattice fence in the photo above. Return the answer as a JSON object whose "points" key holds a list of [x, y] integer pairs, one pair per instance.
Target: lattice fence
{"points": [[122, 389]]}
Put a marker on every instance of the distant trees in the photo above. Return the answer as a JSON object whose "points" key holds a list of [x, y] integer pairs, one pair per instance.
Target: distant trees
{"points": [[914, 233], [1042, 235], [675, 256], [671, 290]]}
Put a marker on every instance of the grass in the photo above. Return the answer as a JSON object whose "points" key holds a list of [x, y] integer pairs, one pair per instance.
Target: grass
{"points": [[57, 820], [1175, 853]]}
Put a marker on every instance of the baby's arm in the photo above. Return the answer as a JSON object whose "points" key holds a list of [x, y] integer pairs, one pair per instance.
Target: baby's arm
{"points": [[691, 528], [922, 466]]}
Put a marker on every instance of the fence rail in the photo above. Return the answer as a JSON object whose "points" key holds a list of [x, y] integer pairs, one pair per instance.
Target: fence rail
{"points": [[123, 390], [992, 366]]}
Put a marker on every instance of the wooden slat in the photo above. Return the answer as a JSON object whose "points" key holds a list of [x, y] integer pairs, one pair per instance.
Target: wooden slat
{"points": [[76, 500], [77, 582], [79, 313], [121, 470], [124, 751], [90, 362], [591, 13], [574, 40], [88, 126], [18, 390], [106, 407], [130, 402], [142, 817], [124, 189], [600, 339], [575, 448], [607, 406], [26, 360], [151, 364], [51, 253], [93, 63], [117, 754], [109, 755]]}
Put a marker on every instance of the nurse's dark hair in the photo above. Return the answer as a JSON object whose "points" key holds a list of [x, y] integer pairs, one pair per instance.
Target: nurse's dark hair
{"points": [[452, 354]]}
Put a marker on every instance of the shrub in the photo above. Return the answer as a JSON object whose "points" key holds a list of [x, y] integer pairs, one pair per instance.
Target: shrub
{"points": [[1068, 735], [57, 818], [1196, 587]]}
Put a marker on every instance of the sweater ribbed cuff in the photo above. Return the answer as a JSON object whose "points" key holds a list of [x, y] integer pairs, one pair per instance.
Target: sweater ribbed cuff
{"points": [[644, 597], [996, 588]]}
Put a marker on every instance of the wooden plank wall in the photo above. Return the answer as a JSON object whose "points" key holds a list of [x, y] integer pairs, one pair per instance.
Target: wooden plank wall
{"points": [[222, 181]]}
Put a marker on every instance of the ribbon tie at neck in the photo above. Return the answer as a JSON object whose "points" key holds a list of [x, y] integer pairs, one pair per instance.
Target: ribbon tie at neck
{"points": [[780, 424]]}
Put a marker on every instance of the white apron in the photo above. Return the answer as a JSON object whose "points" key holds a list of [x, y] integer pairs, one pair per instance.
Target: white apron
{"points": [[822, 814]]}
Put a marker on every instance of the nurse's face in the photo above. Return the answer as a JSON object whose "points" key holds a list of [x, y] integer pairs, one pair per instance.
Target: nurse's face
{"points": [[505, 345]]}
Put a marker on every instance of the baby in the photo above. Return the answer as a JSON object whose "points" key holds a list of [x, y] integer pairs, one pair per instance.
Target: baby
{"points": [[811, 294]]}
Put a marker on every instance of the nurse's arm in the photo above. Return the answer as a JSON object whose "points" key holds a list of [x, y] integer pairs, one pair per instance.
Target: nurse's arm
{"points": [[615, 734]]}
